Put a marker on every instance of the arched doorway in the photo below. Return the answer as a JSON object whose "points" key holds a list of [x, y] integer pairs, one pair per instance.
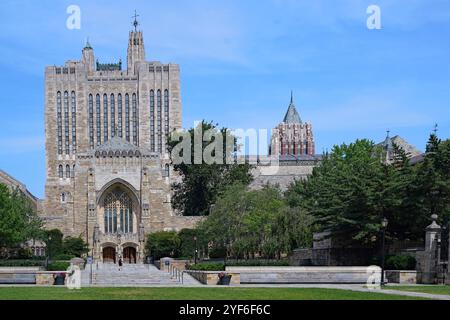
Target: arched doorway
{"points": [[129, 255], [109, 254]]}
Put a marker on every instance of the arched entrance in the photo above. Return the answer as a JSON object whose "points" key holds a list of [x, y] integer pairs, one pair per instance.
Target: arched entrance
{"points": [[129, 255], [109, 254]]}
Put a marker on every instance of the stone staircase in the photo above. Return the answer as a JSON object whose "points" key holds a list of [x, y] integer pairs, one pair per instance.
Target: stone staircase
{"points": [[133, 275]]}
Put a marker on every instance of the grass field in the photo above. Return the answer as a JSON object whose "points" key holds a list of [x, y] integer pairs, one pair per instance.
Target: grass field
{"points": [[62, 293], [435, 289]]}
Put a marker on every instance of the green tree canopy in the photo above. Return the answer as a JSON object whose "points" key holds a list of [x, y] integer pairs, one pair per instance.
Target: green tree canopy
{"points": [[18, 221], [163, 244], [203, 182]]}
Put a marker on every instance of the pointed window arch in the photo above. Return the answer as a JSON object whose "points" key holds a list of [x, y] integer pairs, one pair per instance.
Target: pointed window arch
{"points": [[119, 113], [118, 212], [127, 117], [152, 120], [99, 123], [59, 121], [135, 119], [60, 171], [159, 115], [67, 171], [105, 117], [66, 122], [166, 115], [91, 121], [74, 120], [113, 116]]}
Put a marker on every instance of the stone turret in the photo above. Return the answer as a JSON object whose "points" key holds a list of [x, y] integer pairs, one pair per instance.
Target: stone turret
{"points": [[292, 137], [136, 50], [88, 58]]}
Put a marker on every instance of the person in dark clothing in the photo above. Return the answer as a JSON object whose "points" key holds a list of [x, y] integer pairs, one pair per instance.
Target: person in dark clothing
{"points": [[120, 264]]}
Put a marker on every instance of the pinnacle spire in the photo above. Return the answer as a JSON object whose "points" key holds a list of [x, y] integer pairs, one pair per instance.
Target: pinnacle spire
{"points": [[292, 115]]}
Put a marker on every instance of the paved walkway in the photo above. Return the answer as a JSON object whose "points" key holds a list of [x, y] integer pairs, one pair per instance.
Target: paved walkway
{"points": [[350, 287]]}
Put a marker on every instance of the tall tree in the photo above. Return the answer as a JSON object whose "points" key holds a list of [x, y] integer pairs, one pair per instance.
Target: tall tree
{"points": [[202, 181], [18, 221]]}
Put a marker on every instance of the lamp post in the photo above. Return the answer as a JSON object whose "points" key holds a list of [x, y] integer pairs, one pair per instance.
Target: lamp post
{"points": [[384, 224], [195, 252]]}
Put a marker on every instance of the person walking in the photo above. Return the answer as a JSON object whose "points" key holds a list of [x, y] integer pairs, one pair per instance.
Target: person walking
{"points": [[120, 263]]}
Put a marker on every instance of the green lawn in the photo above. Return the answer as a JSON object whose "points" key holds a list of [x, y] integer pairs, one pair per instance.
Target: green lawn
{"points": [[159, 293], [433, 289]]}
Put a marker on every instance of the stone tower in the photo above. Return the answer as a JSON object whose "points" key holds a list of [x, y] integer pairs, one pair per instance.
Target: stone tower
{"points": [[108, 168], [292, 136], [136, 51]]}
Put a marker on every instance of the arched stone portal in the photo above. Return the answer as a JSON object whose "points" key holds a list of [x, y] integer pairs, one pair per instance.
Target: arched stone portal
{"points": [[118, 223], [129, 255], [109, 254]]}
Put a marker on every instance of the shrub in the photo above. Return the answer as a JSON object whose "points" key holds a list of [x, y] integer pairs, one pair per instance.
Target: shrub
{"points": [[217, 252], [21, 263], [74, 246], [63, 256], [400, 262], [207, 266], [163, 244], [258, 263], [58, 266]]}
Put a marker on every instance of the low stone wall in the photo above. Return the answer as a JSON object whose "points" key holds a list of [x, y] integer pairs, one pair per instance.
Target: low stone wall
{"points": [[287, 275], [401, 276], [27, 275], [212, 277]]}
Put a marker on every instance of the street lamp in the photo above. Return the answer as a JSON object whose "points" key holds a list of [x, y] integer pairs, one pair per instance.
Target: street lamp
{"points": [[384, 224], [195, 252]]}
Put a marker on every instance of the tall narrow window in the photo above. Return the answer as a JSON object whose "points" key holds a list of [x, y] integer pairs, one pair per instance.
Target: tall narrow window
{"points": [[74, 121], [99, 123], [113, 116], [166, 115], [91, 121], [167, 170], [119, 115], [152, 120], [73, 171], [135, 120], [159, 120], [127, 117], [60, 171], [67, 171], [66, 122], [105, 117], [59, 121]]}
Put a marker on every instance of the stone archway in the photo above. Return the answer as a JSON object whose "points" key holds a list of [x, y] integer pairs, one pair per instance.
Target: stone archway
{"points": [[109, 254], [129, 254]]}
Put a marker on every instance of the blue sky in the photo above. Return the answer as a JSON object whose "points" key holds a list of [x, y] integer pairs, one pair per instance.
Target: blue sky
{"points": [[239, 60]]}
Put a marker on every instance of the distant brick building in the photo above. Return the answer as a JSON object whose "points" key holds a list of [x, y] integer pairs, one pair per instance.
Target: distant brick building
{"points": [[292, 136]]}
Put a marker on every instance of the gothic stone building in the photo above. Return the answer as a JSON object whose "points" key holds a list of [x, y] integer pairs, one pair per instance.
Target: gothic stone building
{"points": [[292, 137], [108, 172]]}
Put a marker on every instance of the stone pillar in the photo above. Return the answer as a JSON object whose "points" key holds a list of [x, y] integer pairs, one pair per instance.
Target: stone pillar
{"points": [[428, 259]]}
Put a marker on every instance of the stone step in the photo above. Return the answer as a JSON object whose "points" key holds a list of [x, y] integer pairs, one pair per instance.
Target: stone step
{"points": [[132, 274]]}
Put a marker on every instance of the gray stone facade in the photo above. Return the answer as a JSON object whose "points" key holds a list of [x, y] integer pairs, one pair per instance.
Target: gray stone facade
{"points": [[108, 170]]}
